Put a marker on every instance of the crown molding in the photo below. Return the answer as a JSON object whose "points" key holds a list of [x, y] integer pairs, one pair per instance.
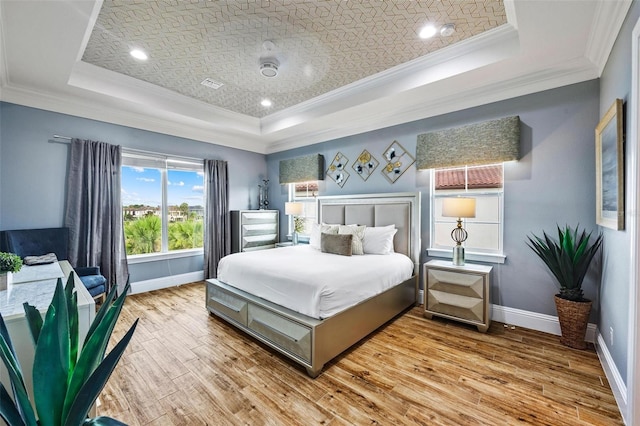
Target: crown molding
{"points": [[608, 15], [169, 124], [108, 83], [562, 74], [480, 50]]}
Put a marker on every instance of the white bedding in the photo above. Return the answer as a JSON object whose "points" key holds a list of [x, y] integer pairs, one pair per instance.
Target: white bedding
{"points": [[310, 282]]}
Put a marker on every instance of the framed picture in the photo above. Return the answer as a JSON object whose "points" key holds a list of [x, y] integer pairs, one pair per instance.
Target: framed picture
{"points": [[610, 169], [398, 161], [337, 171], [365, 164]]}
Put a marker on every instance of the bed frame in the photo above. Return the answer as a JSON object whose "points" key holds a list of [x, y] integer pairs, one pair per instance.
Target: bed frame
{"points": [[312, 342]]}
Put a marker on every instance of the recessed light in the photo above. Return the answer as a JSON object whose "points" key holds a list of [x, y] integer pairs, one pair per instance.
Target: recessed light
{"points": [[139, 54], [428, 31], [447, 30], [266, 103]]}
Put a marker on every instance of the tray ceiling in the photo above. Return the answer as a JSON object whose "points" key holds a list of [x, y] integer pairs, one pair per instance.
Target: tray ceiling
{"points": [[320, 46], [345, 66]]}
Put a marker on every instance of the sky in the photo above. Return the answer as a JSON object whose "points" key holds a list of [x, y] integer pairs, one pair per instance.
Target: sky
{"points": [[144, 186]]}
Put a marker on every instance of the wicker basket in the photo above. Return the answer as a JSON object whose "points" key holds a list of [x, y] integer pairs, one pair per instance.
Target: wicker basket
{"points": [[573, 317]]}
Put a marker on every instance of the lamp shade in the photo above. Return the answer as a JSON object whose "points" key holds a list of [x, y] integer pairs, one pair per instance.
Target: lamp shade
{"points": [[293, 208], [459, 207]]}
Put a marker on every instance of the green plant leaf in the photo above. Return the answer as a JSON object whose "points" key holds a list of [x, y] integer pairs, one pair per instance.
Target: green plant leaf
{"points": [[51, 361], [71, 297], [14, 370], [103, 310], [106, 421], [568, 258], [34, 320], [8, 410], [92, 387], [93, 350]]}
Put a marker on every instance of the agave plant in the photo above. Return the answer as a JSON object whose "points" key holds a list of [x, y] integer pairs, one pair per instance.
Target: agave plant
{"points": [[66, 382], [567, 258]]}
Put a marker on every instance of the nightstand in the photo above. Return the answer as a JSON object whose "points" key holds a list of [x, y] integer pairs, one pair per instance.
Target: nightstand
{"points": [[460, 293]]}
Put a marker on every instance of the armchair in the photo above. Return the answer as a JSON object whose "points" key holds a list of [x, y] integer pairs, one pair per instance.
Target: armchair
{"points": [[36, 242]]}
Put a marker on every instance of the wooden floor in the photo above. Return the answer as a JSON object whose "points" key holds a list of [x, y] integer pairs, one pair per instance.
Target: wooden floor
{"points": [[185, 367]]}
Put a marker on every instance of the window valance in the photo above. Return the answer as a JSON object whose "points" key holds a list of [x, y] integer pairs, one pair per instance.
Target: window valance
{"points": [[489, 142], [302, 169]]}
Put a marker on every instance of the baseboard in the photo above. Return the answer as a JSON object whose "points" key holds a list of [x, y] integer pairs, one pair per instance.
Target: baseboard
{"points": [[616, 382], [534, 321], [164, 282]]}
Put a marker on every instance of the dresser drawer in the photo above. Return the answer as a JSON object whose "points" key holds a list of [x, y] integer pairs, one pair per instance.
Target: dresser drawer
{"points": [[289, 335], [227, 304]]}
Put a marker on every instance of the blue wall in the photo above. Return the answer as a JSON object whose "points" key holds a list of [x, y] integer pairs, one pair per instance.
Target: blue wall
{"points": [[33, 171], [553, 183], [614, 306]]}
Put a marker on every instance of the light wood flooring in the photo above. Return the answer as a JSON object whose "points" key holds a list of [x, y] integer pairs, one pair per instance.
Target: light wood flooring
{"points": [[185, 367]]}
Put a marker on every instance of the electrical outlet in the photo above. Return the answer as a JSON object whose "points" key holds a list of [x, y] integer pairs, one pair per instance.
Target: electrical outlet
{"points": [[611, 336]]}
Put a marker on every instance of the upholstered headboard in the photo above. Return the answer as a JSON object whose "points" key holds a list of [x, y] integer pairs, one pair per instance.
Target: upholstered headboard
{"points": [[399, 209]]}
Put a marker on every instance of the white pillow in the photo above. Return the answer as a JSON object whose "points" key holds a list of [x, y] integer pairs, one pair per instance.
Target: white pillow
{"points": [[358, 236], [316, 233], [379, 239]]}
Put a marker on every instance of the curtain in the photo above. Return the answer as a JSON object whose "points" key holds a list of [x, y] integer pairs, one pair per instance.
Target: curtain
{"points": [[217, 227], [93, 211]]}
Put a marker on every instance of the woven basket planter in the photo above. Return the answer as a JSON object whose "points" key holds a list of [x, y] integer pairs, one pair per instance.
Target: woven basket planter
{"points": [[573, 317]]}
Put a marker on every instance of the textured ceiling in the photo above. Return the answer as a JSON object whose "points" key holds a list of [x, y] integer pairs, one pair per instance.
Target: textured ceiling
{"points": [[321, 45]]}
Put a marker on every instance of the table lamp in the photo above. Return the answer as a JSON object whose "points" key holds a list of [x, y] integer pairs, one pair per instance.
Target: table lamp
{"points": [[460, 207], [293, 209]]}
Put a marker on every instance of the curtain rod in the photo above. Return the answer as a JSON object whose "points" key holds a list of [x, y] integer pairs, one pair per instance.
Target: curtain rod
{"points": [[67, 140]]}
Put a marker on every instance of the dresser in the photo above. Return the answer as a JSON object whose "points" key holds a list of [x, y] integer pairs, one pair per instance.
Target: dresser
{"points": [[460, 293], [254, 229]]}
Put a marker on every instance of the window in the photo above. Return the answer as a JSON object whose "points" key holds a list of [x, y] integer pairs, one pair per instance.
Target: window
{"points": [[305, 193], [162, 203], [486, 185]]}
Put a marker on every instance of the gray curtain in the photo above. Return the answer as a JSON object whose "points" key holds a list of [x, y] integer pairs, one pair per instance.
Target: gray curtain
{"points": [[217, 227], [94, 210]]}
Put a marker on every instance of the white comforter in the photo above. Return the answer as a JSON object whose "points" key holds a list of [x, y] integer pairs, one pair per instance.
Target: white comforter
{"points": [[310, 282]]}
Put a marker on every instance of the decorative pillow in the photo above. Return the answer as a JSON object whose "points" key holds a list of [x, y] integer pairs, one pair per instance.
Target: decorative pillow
{"points": [[317, 229], [336, 244], [379, 239], [40, 260], [358, 236]]}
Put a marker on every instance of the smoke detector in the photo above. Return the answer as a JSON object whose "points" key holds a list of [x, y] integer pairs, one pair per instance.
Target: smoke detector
{"points": [[269, 67]]}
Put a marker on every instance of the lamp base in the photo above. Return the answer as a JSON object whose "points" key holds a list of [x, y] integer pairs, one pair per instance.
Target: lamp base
{"points": [[458, 255]]}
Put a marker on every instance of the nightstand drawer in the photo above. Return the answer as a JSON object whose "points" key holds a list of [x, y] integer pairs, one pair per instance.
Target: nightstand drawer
{"points": [[470, 285], [469, 308]]}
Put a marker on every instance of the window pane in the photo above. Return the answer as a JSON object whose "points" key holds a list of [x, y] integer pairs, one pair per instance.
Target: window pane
{"points": [[484, 183], [305, 193], [142, 201], [185, 198]]}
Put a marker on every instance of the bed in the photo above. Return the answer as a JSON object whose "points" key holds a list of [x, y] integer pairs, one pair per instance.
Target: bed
{"points": [[309, 334]]}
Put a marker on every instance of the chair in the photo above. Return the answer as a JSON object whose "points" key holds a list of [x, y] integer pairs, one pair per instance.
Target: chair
{"points": [[36, 242]]}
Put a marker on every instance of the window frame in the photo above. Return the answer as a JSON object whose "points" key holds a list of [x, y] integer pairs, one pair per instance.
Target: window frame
{"points": [[310, 199], [489, 256], [164, 163]]}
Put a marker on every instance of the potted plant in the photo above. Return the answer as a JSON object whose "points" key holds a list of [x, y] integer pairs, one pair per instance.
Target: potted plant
{"points": [[66, 380], [568, 258], [9, 263]]}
